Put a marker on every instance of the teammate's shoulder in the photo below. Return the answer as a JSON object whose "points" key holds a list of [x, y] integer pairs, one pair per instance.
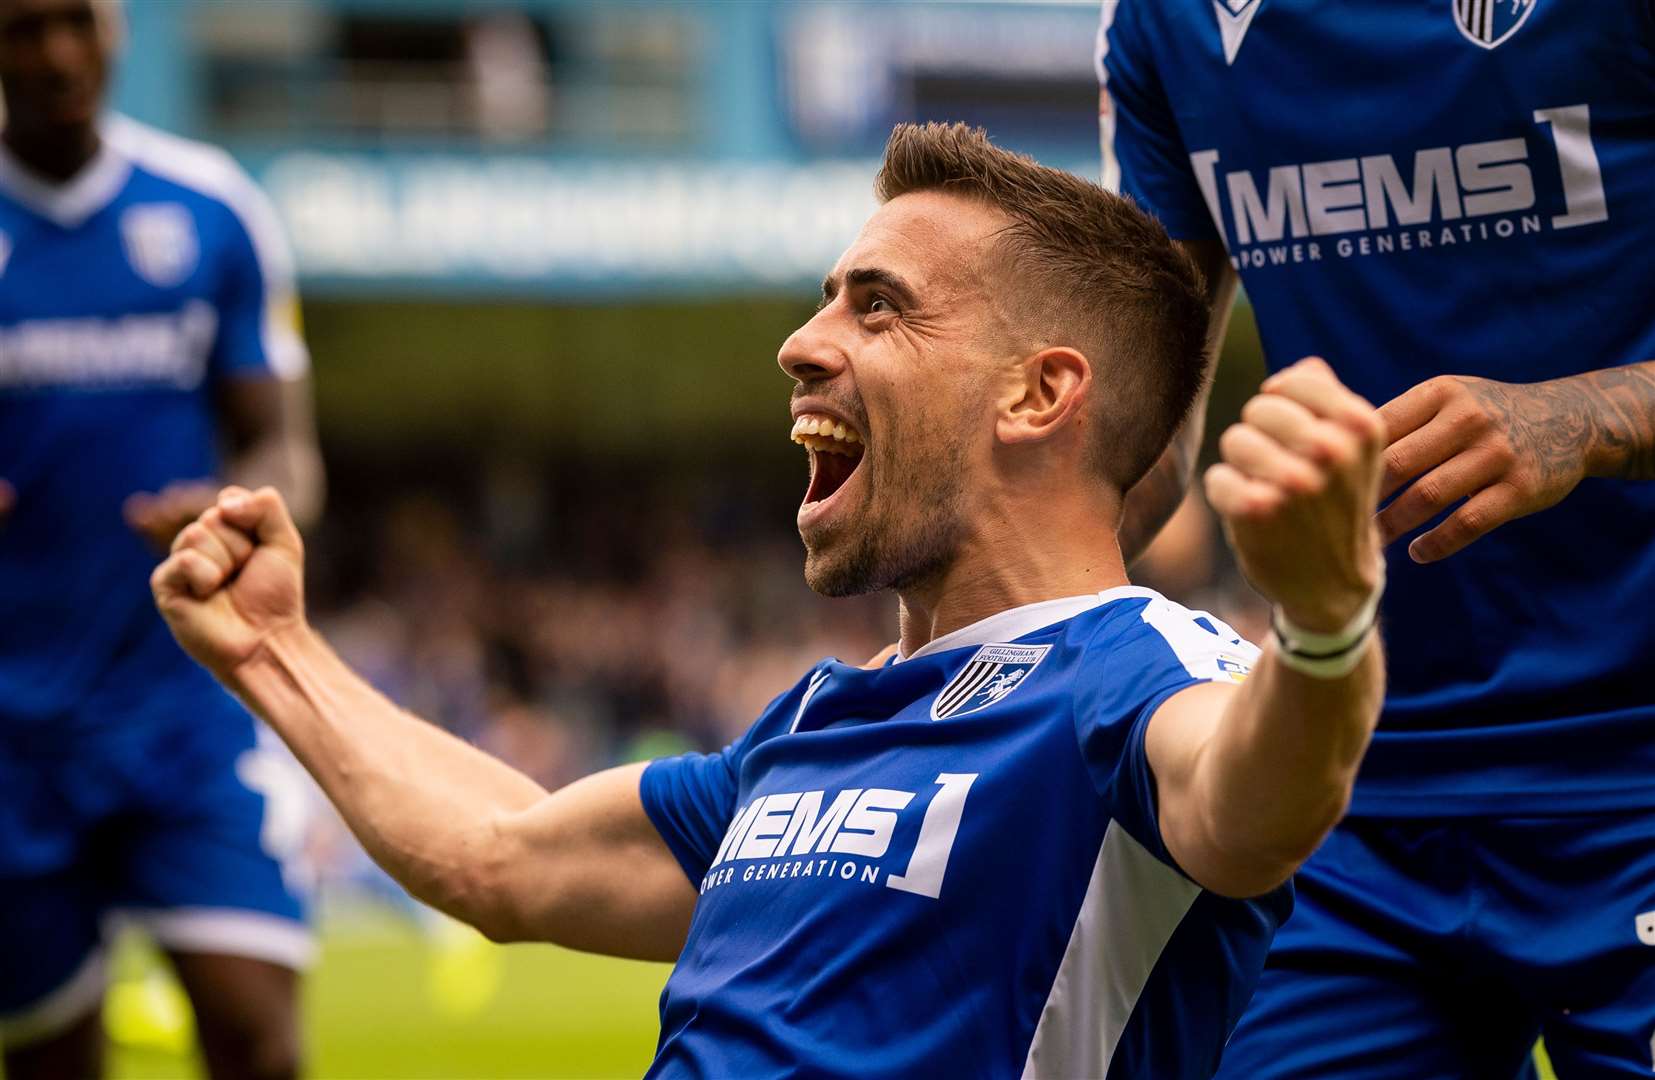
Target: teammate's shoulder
{"points": [[189, 165]]}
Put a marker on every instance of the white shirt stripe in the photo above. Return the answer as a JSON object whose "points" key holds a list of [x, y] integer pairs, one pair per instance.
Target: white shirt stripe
{"points": [[1133, 906]]}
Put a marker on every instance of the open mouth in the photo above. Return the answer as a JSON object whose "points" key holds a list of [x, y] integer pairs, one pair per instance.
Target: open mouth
{"points": [[835, 452]]}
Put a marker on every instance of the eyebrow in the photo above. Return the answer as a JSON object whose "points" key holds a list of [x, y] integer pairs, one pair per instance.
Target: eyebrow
{"points": [[871, 275]]}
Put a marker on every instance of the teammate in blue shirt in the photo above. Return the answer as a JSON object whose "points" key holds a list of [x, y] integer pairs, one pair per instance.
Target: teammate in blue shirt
{"points": [[1050, 836], [146, 313], [1451, 201]]}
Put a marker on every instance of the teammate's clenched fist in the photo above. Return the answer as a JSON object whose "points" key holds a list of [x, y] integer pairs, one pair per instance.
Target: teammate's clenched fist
{"points": [[1297, 490], [235, 576]]}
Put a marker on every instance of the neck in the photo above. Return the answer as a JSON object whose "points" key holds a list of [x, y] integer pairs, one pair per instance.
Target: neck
{"points": [[56, 155], [1016, 555]]}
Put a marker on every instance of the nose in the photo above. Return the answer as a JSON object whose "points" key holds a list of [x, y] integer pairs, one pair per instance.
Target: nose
{"points": [[810, 353]]}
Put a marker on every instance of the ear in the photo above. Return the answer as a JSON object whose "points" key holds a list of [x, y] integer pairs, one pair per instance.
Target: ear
{"points": [[1054, 383]]}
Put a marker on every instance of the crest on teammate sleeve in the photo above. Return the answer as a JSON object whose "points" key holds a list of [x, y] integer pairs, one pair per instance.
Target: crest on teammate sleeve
{"points": [[1490, 22], [992, 673]]}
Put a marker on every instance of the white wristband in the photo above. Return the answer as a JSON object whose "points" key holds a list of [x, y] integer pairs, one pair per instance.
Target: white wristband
{"points": [[1327, 656], [1336, 666]]}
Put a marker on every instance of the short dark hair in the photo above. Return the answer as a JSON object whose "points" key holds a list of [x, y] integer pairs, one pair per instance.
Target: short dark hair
{"points": [[1107, 281]]}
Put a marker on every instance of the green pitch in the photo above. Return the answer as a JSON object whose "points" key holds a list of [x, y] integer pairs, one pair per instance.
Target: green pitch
{"points": [[387, 1000]]}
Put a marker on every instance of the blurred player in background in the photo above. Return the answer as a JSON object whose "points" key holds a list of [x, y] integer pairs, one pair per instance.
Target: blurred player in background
{"points": [[1048, 836], [147, 317], [1452, 201]]}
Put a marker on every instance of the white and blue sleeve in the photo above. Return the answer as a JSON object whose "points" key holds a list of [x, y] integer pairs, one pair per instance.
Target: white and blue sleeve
{"points": [[1144, 657]]}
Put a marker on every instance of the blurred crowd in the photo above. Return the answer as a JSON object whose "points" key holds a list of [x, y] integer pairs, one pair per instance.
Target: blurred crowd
{"points": [[564, 639], [567, 621], [627, 628]]}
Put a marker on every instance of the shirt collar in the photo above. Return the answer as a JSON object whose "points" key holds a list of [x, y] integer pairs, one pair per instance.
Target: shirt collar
{"points": [[72, 201], [1013, 623]]}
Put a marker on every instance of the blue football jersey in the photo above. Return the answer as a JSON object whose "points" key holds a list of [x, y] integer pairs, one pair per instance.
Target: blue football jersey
{"points": [[1413, 188], [126, 295], [952, 865]]}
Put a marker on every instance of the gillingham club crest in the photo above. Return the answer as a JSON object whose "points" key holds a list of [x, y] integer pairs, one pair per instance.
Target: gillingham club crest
{"points": [[992, 673], [1490, 22], [160, 242]]}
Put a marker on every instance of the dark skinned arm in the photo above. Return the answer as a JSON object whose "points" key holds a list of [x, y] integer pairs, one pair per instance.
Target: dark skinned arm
{"points": [[1153, 500], [269, 429]]}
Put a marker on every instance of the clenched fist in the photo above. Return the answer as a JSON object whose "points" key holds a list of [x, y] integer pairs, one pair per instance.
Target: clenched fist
{"points": [[1297, 490], [234, 577]]}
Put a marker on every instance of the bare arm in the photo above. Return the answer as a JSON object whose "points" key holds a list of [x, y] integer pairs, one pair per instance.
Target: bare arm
{"points": [[1250, 779], [271, 431], [1153, 500], [463, 831], [271, 424]]}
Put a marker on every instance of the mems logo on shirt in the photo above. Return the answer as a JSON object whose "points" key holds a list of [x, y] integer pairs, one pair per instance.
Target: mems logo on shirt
{"points": [[796, 836], [1376, 204], [162, 348]]}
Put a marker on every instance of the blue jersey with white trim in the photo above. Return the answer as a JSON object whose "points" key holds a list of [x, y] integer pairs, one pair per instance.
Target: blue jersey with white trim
{"points": [[952, 865], [126, 295], [1452, 187]]}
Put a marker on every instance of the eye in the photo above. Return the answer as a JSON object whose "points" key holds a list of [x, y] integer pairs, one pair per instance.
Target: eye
{"points": [[879, 305]]}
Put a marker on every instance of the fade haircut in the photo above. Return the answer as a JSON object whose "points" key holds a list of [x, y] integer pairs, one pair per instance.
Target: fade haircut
{"points": [[1098, 274]]}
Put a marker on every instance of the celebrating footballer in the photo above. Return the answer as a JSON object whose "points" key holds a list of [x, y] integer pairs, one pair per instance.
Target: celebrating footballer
{"points": [[1053, 833]]}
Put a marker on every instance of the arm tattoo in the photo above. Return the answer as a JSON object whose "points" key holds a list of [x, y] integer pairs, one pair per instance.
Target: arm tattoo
{"points": [[1626, 414], [1608, 414]]}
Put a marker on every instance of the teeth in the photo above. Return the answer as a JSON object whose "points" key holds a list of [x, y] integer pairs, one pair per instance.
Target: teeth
{"points": [[832, 448], [826, 434]]}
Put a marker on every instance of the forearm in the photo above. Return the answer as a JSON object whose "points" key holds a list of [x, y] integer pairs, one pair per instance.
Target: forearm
{"points": [[1152, 501], [1281, 763], [292, 465], [270, 425], [1612, 413], [426, 805]]}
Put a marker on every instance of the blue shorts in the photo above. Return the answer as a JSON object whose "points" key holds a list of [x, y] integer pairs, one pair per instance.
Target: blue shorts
{"points": [[175, 822], [1439, 950]]}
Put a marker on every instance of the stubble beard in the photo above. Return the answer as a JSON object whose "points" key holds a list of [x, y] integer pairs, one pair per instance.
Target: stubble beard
{"points": [[908, 538]]}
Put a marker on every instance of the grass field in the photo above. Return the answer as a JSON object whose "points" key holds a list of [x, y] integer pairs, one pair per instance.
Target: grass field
{"points": [[387, 1000]]}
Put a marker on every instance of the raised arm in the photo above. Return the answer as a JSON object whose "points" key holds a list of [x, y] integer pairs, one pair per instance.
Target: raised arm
{"points": [[1250, 779], [461, 830], [1152, 501]]}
